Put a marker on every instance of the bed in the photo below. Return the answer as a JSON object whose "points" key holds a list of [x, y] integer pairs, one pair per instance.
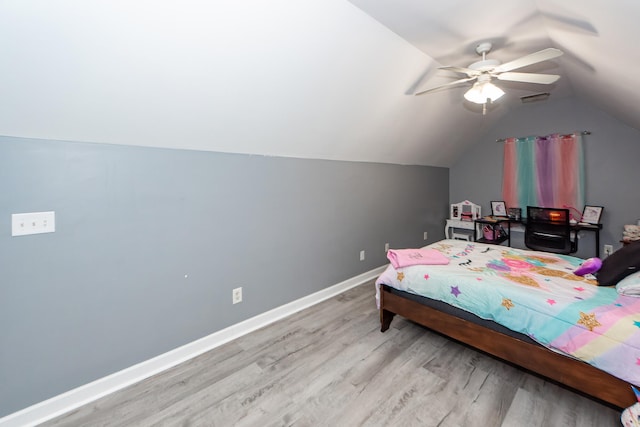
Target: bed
{"points": [[527, 308]]}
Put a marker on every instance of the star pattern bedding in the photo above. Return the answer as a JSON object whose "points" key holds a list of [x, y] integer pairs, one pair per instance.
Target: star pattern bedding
{"points": [[537, 294]]}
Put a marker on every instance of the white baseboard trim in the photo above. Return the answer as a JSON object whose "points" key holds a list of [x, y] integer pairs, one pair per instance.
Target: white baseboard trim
{"points": [[73, 399]]}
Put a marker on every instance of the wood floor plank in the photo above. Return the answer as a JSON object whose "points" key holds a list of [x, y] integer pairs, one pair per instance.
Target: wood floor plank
{"points": [[282, 362], [329, 365], [205, 398]]}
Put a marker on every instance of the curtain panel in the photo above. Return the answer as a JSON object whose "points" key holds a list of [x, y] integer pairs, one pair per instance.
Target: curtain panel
{"points": [[544, 171]]}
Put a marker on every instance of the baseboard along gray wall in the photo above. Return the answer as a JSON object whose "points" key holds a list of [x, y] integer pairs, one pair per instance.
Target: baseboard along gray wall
{"points": [[150, 242]]}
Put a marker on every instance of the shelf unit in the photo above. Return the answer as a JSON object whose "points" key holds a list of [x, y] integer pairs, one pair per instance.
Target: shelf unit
{"points": [[497, 240]]}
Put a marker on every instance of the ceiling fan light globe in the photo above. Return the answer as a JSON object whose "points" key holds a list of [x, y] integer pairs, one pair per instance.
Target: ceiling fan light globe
{"points": [[492, 91], [483, 91]]}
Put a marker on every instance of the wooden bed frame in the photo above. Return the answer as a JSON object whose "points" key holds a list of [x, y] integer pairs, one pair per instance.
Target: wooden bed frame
{"points": [[573, 373]]}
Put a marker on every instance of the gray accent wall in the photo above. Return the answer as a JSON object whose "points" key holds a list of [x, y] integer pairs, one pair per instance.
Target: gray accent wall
{"points": [[612, 171], [150, 242]]}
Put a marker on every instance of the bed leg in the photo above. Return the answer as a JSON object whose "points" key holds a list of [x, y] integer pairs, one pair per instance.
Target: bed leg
{"points": [[385, 319]]}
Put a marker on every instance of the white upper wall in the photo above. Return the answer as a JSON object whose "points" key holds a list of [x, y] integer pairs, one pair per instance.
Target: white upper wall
{"points": [[311, 79], [301, 78]]}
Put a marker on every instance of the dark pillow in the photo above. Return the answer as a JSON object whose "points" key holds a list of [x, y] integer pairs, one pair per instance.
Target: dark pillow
{"points": [[619, 264]]}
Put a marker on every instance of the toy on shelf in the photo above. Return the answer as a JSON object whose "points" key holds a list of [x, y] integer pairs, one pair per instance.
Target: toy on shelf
{"points": [[465, 211]]}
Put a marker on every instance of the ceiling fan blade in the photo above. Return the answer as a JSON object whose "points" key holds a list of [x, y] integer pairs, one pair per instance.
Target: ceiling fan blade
{"points": [[533, 58], [454, 83], [468, 71], [544, 79]]}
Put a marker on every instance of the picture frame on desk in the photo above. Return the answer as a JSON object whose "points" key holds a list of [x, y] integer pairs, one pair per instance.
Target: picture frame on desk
{"points": [[592, 214], [514, 213], [498, 208]]}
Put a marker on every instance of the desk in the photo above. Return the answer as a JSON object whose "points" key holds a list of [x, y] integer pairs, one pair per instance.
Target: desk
{"points": [[470, 225], [452, 224]]}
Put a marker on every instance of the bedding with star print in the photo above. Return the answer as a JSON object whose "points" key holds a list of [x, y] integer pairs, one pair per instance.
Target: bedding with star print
{"points": [[534, 293]]}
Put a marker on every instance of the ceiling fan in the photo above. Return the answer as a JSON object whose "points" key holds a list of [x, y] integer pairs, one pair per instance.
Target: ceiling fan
{"points": [[487, 69]]}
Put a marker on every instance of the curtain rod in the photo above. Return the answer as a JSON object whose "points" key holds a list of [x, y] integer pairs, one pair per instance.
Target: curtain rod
{"points": [[584, 132]]}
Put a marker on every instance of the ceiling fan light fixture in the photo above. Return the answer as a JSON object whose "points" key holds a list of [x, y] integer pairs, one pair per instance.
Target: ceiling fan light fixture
{"points": [[480, 92]]}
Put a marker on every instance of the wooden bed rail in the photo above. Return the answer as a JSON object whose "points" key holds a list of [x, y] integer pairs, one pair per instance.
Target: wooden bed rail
{"points": [[573, 373]]}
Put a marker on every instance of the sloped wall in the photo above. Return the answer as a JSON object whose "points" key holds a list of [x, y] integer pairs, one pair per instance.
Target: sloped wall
{"points": [[320, 79]]}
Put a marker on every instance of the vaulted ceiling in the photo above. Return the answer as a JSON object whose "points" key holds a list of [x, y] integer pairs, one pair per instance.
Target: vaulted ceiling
{"points": [[327, 79], [597, 38]]}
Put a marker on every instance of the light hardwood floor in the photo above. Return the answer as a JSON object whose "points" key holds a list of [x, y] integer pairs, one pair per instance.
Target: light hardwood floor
{"points": [[330, 365]]}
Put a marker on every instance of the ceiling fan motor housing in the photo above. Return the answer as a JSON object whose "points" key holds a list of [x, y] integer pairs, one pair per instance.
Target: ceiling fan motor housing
{"points": [[484, 65]]}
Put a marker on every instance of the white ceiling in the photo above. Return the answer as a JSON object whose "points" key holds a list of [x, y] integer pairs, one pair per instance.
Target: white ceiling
{"points": [[599, 41], [328, 79]]}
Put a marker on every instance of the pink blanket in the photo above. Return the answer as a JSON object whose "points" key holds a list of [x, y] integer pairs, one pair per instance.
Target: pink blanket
{"points": [[405, 257]]}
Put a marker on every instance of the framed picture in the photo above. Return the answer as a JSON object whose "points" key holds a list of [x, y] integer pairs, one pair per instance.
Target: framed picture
{"points": [[514, 213], [592, 214], [498, 209]]}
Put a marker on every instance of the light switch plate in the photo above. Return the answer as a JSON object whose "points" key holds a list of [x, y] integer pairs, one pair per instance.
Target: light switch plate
{"points": [[23, 224]]}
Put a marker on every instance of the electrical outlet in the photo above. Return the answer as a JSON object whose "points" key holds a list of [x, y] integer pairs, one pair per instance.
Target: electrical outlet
{"points": [[386, 247], [608, 250], [425, 235], [237, 295], [361, 255], [23, 224]]}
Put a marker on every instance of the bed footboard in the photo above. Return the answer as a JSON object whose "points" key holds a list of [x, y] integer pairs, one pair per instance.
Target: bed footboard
{"points": [[573, 373]]}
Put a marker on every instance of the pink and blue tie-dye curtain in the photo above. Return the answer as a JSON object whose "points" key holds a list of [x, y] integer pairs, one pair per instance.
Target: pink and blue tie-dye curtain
{"points": [[544, 171]]}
